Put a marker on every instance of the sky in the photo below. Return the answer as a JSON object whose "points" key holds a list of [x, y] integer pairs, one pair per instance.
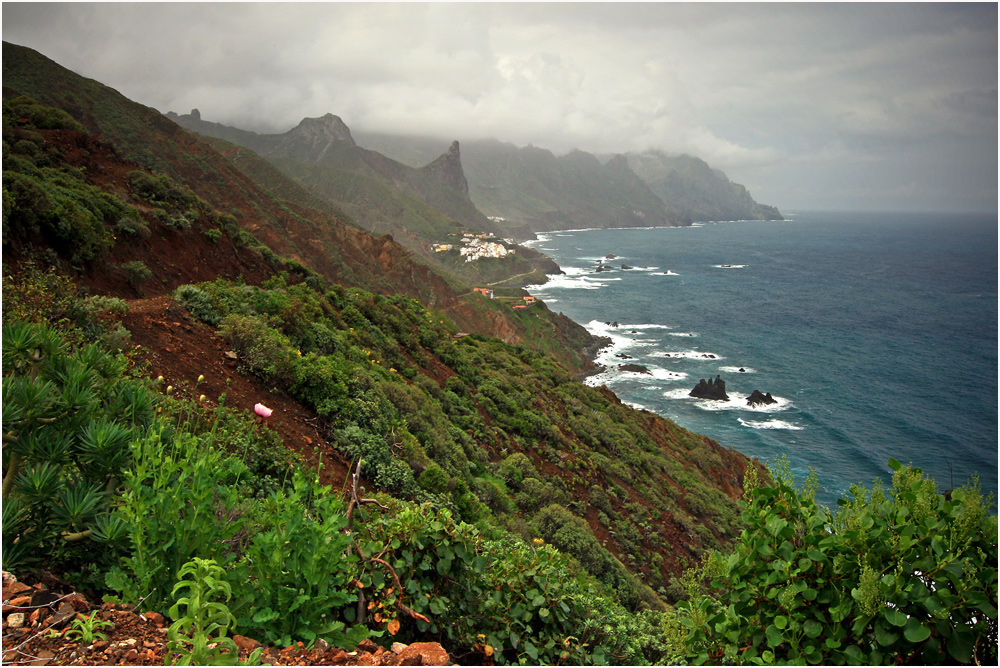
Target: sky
{"points": [[853, 106]]}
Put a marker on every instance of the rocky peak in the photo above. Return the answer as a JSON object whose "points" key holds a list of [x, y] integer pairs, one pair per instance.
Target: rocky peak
{"points": [[448, 168], [310, 140], [325, 127], [618, 163]]}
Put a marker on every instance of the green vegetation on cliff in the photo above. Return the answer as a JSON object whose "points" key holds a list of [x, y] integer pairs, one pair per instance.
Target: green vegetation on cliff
{"points": [[518, 516]]}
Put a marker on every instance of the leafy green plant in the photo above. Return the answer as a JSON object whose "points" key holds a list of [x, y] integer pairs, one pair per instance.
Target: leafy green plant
{"points": [[296, 575], [901, 575], [86, 629], [136, 273], [175, 510], [69, 415], [203, 621]]}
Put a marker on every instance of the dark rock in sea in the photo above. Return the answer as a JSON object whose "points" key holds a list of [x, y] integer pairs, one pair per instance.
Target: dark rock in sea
{"points": [[600, 268], [635, 368], [610, 256], [625, 266], [710, 389], [756, 399], [742, 370], [624, 356]]}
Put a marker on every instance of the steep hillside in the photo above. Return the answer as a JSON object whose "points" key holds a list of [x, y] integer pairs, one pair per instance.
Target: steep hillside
{"points": [[690, 185], [531, 184], [320, 239], [370, 366], [343, 172], [330, 246], [462, 403], [419, 207]]}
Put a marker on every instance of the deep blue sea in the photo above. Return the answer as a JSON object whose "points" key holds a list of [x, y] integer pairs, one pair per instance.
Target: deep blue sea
{"points": [[876, 333]]}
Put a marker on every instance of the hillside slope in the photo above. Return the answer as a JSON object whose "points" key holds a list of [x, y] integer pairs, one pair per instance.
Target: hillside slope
{"points": [[323, 240], [498, 433]]}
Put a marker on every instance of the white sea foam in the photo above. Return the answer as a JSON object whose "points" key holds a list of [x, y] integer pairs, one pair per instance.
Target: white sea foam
{"points": [[737, 401], [670, 273], [575, 278], [729, 266], [737, 369], [647, 326], [692, 334], [770, 424], [688, 354], [663, 374]]}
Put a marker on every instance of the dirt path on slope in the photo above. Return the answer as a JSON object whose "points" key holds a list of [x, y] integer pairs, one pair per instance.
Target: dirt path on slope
{"points": [[181, 348]]}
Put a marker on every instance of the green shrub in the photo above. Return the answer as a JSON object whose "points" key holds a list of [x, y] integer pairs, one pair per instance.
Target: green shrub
{"points": [[175, 510], [136, 273], [39, 115], [260, 350], [904, 575], [571, 534], [297, 573], [69, 416], [204, 624]]}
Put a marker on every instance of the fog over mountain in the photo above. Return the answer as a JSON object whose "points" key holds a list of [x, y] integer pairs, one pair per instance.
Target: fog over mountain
{"points": [[845, 106]]}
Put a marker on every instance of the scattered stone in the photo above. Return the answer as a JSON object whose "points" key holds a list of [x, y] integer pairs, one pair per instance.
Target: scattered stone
{"points": [[42, 658], [15, 620], [398, 647], [131, 656], [65, 613], [230, 355], [245, 644], [79, 603], [154, 617], [43, 597], [20, 601], [710, 389], [635, 368], [423, 654], [367, 645], [322, 646], [14, 589]]}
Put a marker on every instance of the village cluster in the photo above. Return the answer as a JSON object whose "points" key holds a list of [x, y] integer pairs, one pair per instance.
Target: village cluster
{"points": [[475, 246]]}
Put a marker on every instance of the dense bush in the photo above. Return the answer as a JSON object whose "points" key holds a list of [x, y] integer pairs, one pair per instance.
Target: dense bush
{"points": [[69, 415], [895, 576]]}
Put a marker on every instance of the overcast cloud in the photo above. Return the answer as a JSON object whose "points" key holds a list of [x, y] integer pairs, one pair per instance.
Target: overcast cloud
{"points": [[811, 106]]}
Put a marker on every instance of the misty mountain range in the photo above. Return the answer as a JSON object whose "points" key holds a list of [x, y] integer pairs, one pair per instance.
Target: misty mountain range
{"points": [[523, 190]]}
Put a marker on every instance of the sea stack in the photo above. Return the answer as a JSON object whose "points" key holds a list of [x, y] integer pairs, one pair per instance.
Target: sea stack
{"points": [[710, 389], [756, 399]]}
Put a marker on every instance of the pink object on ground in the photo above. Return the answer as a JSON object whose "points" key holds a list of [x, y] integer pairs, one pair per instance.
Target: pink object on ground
{"points": [[262, 410]]}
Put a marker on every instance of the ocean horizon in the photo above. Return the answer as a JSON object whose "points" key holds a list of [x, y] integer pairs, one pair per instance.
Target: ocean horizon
{"points": [[875, 334]]}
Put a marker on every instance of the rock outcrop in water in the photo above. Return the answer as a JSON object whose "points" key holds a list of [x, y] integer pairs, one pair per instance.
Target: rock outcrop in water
{"points": [[756, 399], [710, 389]]}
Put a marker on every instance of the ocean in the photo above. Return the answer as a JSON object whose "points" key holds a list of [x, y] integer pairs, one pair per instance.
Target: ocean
{"points": [[876, 334]]}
